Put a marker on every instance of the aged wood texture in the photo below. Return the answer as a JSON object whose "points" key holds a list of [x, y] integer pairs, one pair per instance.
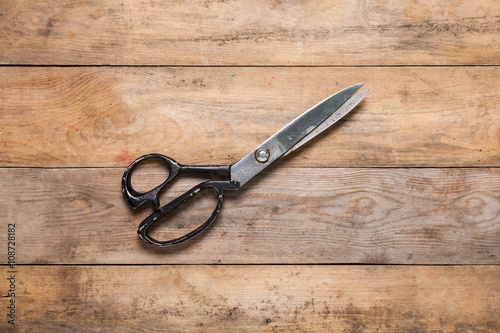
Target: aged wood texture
{"points": [[259, 298], [101, 116], [298, 215], [411, 177], [257, 32]]}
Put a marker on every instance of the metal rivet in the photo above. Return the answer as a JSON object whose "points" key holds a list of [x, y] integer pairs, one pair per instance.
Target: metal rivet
{"points": [[262, 155]]}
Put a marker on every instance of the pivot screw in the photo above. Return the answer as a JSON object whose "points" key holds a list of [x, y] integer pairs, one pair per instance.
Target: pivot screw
{"points": [[262, 155]]}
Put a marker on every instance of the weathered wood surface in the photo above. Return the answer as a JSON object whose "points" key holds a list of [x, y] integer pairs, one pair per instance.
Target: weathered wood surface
{"points": [[240, 70], [287, 216], [256, 32], [95, 117], [258, 299]]}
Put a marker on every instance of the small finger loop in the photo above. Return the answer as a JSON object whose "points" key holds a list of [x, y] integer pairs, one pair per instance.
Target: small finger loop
{"points": [[136, 198]]}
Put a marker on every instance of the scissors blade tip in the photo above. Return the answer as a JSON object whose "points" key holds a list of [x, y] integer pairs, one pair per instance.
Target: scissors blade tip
{"points": [[363, 93], [359, 85], [350, 91], [341, 112]]}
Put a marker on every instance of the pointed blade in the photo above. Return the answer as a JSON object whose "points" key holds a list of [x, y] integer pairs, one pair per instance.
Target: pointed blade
{"points": [[336, 116], [283, 140]]}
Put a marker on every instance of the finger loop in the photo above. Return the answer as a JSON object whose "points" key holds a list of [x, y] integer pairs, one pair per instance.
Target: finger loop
{"points": [[137, 199], [157, 215]]}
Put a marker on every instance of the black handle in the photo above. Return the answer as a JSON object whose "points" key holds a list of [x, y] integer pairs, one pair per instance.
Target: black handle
{"points": [[137, 199], [218, 186]]}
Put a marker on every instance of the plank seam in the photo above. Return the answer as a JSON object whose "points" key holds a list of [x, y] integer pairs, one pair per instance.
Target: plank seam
{"points": [[249, 66], [256, 264]]}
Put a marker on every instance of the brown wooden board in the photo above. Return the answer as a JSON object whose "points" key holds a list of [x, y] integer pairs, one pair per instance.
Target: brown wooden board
{"points": [[410, 178], [287, 216], [257, 32], [101, 116], [257, 298]]}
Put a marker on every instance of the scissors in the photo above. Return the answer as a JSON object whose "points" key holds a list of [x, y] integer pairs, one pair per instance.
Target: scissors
{"points": [[295, 134]]}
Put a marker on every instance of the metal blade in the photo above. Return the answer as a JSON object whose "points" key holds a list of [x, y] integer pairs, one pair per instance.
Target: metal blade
{"points": [[336, 116], [283, 140]]}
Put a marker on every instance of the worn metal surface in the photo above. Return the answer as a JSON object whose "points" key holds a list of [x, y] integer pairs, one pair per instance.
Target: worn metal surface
{"points": [[290, 135], [336, 116]]}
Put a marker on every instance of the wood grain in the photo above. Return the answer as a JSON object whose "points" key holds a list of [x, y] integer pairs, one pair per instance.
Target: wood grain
{"points": [[298, 215], [411, 177], [257, 32], [101, 116], [258, 299]]}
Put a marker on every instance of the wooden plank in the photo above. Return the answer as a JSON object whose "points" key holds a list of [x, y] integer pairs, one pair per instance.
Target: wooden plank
{"points": [[257, 32], [256, 298], [95, 117], [298, 215]]}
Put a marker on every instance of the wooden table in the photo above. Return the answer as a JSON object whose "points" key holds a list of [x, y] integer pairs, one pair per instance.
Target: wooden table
{"points": [[389, 222]]}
